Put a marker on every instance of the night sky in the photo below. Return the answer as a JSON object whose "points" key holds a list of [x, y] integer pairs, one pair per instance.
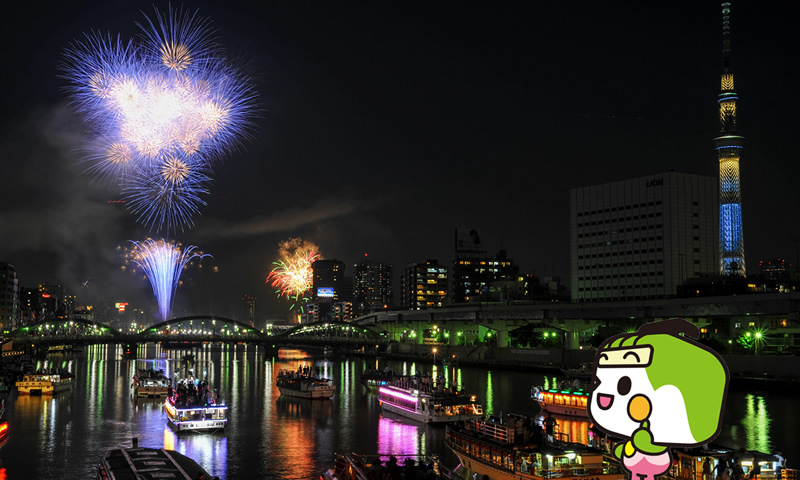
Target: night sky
{"points": [[384, 126]]}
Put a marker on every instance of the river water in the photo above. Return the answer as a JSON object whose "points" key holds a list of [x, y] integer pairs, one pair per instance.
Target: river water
{"points": [[274, 437]]}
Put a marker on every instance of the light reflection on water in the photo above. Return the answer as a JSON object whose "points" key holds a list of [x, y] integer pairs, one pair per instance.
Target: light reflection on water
{"points": [[270, 436]]}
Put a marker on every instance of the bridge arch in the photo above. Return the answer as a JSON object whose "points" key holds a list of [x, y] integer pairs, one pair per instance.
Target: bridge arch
{"points": [[66, 328], [332, 329], [204, 327]]}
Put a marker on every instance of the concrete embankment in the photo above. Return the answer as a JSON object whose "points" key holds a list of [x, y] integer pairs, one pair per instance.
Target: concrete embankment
{"points": [[784, 369]]}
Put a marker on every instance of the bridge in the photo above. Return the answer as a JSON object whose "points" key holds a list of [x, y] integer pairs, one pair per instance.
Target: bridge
{"points": [[197, 329], [563, 326]]}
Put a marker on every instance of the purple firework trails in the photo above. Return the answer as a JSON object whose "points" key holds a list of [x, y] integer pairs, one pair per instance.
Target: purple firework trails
{"points": [[162, 262]]}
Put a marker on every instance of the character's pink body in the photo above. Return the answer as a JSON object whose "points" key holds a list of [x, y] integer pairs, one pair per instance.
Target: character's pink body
{"points": [[646, 467]]}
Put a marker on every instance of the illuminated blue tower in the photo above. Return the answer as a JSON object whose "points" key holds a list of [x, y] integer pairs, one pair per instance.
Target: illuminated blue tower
{"points": [[729, 145]]}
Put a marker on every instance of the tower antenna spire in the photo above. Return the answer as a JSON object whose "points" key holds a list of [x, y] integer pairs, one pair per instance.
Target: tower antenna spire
{"points": [[726, 35]]}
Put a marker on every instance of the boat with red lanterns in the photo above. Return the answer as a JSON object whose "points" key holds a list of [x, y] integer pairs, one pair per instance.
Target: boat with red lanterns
{"points": [[515, 448], [566, 399]]}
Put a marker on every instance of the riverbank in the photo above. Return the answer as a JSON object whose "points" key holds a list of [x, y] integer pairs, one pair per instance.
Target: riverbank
{"points": [[755, 371]]}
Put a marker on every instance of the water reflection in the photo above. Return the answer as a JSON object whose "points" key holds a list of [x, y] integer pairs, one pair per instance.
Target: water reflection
{"points": [[756, 423], [270, 436], [577, 428], [209, 450], [489, 407], [398, 438]]}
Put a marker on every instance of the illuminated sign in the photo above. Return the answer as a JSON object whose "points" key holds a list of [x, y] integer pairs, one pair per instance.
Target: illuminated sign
{"points": [[325, 292], [121, 306]]}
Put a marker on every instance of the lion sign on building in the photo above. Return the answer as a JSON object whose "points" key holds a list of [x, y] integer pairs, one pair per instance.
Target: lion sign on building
{"points": [[657, 388]]}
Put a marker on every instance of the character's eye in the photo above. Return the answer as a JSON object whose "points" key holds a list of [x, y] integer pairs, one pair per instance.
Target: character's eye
{"points": [[638, 360], [624, 386]]}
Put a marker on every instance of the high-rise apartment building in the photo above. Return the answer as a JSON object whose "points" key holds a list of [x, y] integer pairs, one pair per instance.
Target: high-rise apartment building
{"points": [[372, 287], [329, 280], [9, 295], [424, 285], [641, 238], [729, 145]]}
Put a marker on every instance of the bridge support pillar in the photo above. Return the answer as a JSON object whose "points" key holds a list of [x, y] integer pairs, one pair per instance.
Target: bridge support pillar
{"points": [[573, 340], [502, 338]]}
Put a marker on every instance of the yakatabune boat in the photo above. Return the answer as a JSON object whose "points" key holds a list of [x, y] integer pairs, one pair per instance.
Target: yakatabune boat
{"points": [[193, 406], [150, 383], [304, 385], [136, 462], [516, 448], [566, 400], [44, 383], [429, 406]]}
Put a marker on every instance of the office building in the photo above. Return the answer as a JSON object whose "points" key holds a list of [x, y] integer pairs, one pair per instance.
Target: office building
{"points": [[641, 238]]}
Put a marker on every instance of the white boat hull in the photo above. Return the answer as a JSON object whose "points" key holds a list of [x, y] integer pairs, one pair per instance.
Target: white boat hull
{"points": [[198, 425], [426, 417], [320, 392]]}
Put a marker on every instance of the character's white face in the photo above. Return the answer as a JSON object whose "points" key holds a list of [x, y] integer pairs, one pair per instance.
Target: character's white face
{"points": [[622, 376]]}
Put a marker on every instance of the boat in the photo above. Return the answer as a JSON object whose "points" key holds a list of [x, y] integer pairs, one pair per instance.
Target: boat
{"points": [[139, 462], [3, 433], [373, 378], [150, 384], [47, 383], [567, 399], [582, 372], [514, 448], [429, 405], [366, 467], [193, 406], [304, 384]]}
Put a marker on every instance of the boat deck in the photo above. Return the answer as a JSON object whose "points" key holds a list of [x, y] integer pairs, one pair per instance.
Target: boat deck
{"points": [[144, 463]]}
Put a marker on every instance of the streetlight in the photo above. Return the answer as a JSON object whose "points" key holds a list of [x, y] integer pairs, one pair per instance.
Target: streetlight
{"points": [[434, 356]]}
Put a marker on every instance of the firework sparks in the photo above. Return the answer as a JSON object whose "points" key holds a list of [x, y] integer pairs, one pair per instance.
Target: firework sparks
{"points": [[162, 262], [292, 274], [161, 110]]}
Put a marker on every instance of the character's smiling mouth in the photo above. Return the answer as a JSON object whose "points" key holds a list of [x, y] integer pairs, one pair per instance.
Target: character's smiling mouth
{"points": [[604, 401]]}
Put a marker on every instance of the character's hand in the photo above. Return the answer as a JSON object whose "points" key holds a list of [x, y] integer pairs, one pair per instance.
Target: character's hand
{"points": [[643, 440], [618, 450]]}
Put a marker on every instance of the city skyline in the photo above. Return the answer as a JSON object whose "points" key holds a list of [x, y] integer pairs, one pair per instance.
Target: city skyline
{"points": [[383, 129]]}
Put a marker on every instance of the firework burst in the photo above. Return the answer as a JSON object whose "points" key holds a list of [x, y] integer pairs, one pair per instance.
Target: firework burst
{"points": [[292, 274], [160, 110], [162, 262]]}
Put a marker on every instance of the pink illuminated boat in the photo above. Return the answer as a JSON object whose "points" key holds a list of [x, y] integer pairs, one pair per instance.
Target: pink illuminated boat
{"points": [[429, 406]]}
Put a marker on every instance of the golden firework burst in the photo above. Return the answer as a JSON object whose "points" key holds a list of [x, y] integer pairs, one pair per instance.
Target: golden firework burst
{"points": [[174, 170], [175, 56]]}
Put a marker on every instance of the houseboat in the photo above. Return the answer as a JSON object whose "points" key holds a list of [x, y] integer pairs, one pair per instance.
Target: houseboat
{"points": [[192, 406], [429, 406], [136, 462], [150, 384], [304, 384], [567, 399], [44, 383], [3, 433], [515, 448], [372, 379]]}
